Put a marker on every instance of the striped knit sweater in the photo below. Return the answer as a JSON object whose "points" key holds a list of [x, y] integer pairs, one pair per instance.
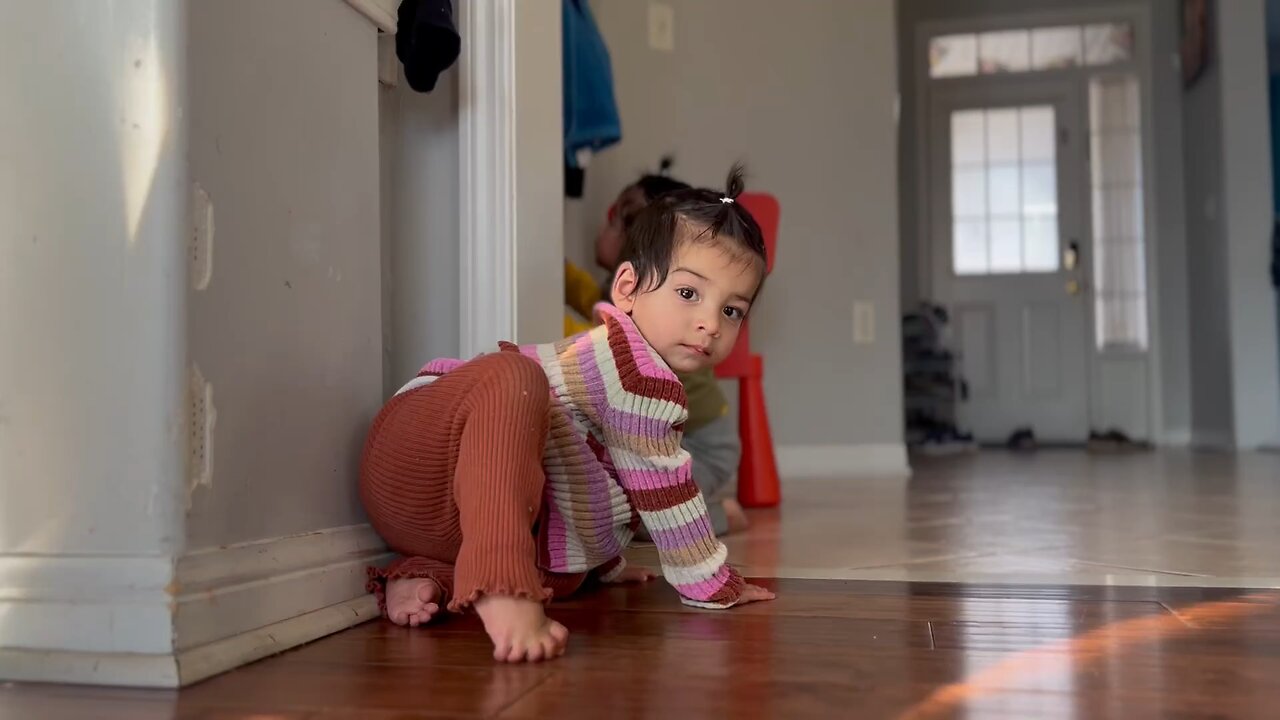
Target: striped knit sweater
{"points": [[613, 452]]}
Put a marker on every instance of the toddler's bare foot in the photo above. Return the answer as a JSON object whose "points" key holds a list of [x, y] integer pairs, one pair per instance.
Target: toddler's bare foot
{"points": [[736, 516], [520, 629], [412, 601]]}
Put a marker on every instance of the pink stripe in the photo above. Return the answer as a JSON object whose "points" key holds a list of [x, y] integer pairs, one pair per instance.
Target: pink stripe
{"points": [[707, 588], [656, 479]]}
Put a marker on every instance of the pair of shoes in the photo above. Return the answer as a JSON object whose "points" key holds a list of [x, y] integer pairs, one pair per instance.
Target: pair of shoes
{"points": [[1114, 440], [1022, 439]]}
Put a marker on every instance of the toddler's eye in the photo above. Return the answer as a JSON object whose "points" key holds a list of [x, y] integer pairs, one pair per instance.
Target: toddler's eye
{"points": [[734, 313], [687, 293]]}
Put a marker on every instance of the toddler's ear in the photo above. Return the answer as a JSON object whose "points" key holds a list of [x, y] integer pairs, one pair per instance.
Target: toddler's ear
{"points": [[625, 284]]}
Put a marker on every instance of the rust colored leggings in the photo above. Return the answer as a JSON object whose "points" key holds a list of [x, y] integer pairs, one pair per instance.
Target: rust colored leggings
{"points": [[452, 479]]}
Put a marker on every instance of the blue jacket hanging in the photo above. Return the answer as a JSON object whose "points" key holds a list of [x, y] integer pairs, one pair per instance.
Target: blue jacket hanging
{"points": [[590, 112]]}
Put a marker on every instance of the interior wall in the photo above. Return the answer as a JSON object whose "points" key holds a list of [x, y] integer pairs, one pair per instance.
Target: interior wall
{"points": [[1169, 231], [284, 127], [93, 201], [419, 156], [812, 114], [539, 193], [1207, 254], [1246, 204]]}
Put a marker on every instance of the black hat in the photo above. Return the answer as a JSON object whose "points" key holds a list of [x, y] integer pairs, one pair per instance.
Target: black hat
{"points": [[427, 41]]}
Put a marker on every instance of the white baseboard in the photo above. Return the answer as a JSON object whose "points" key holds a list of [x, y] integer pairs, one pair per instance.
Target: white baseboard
{"points": [[800, 462], [225, 592], [87, 603], [198, 663], [148, 622], [167, 670], [1176, 438]]}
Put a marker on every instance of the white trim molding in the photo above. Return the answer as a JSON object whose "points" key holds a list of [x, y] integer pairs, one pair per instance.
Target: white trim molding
{"points": [[804, 462], [157, 623], [382, 13], [244, 602], [487, 169], [511, 166]]}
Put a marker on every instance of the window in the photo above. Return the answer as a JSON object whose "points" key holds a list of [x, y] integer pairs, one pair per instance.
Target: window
{"points": [[1119, 242], [1030, 49], [1004, 191]]}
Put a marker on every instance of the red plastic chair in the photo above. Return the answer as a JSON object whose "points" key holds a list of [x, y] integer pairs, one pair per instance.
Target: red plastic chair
{"points": [[758, 484]]}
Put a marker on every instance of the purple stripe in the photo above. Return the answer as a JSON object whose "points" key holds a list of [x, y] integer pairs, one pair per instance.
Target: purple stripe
{"points": [[589, 368], [637, 424], [692, 533]]}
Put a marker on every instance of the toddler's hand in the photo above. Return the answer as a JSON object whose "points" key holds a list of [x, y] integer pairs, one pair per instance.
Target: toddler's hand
{"points": [[754, 593], [634, 574]]}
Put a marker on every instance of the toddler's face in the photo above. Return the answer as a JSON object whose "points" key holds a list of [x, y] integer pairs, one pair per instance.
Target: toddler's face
{"points": [[693, 319]]}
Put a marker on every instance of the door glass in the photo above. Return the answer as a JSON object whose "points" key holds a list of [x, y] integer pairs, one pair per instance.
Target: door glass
{"points": [[1004, 191], [1119, 239]]}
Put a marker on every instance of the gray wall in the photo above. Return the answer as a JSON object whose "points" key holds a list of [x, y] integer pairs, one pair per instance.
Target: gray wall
{"points": [[1247, 216], [806, 99], [419, 136], [1169, 233], [1207, 255], [284, 137], [93, 198]]}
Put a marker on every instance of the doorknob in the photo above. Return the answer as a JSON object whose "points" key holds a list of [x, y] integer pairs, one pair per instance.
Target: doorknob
{"points": [[1071, 258], [1073, 287]]}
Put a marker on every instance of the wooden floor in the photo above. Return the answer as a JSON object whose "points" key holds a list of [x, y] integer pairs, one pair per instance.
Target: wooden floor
{"points": [[1087, 591], [825, 649], [1055, 517]]}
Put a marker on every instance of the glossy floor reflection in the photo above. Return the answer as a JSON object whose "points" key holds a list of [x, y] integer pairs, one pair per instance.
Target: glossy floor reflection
{"points": [[825, 649], [1049, 517]]}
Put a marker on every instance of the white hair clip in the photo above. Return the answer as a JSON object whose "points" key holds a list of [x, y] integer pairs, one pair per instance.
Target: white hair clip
{"points": [[726, 200]]}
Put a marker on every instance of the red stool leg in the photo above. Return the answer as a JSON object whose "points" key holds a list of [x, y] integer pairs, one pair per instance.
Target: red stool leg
{"points": [[758, 484]]}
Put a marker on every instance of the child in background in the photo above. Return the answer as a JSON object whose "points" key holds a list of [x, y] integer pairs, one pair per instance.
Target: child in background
{"points": [[711, 434], [507, 480]]}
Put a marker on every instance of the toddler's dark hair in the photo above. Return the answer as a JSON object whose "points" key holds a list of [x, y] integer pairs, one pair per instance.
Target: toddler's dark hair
{"points": [[655, 185], [707, 215]]}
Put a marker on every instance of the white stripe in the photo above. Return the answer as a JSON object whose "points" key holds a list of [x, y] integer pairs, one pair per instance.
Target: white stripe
{"points": [[624, 458], [417, 383], [701, 572], [674, 517], [705, 605], [620, 397], [614, 573]]}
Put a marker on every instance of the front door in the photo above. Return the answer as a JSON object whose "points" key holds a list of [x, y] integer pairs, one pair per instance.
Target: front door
{"points": [[1008, 254]]}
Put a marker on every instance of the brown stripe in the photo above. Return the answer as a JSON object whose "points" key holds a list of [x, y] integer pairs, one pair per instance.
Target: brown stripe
{"points": [[657, 499], [633, 380]]}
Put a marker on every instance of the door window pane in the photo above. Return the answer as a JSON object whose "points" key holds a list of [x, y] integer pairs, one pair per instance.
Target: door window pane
{"points": [[1004, 51], [1055, 47], [1030, 49], [1004, 194], [969, 247], [953, 56], [1119, 242], [1108, 43]]}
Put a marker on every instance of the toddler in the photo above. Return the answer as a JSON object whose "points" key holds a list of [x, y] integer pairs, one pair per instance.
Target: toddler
{"points": [[508, 480], [710, 432]]}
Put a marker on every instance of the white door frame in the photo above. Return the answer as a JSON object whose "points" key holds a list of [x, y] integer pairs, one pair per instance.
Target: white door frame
{"points": [[509, 107], [1140, 17]]}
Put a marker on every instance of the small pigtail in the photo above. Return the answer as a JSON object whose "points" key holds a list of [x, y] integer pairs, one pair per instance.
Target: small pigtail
{"points": [[735, 184]]}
